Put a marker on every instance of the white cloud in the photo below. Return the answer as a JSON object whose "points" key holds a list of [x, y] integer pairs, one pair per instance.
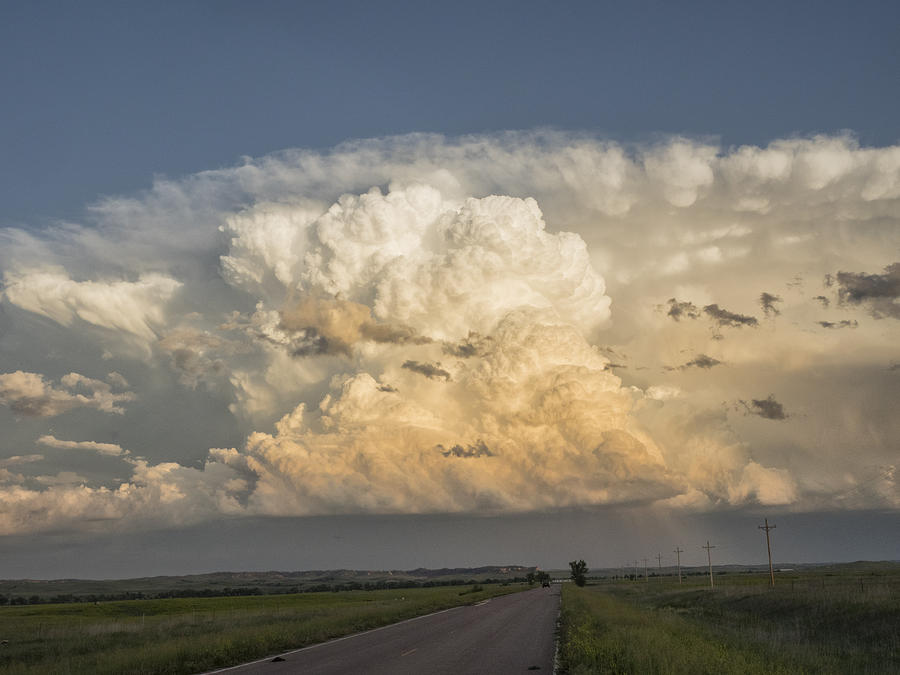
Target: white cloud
{"points": [[29, 394], [134, 308], [165, 494], [682, 168], [110, 449], [768, 486]]}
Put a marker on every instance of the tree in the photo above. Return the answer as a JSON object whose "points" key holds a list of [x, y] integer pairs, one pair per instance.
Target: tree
{"points": [[530, 578], [579, 572]]}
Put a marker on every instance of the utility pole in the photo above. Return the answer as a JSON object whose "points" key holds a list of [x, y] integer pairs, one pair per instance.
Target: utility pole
{"points": [[635, 571], [709, 560], [678, 551], [646, 577], [659, 560], [768, 527]]}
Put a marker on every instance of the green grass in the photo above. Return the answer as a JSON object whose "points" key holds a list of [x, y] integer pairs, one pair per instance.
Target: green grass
{"points": [[217, 584], [811, 623], [193, 635]]}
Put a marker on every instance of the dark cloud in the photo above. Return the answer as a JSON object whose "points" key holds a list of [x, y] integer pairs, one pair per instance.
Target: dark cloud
{"points": [[702, 361], [895, 366], [196, 355], [308, 342], [321, 325], [881, 292], [688, 310], [431, 371], [846, 323], [387, 388], [767, 408], [463, 350], [767, 302], [467, 348], [396, 334], [822, 299], [725, 318], [679, 310], [477, 450]]}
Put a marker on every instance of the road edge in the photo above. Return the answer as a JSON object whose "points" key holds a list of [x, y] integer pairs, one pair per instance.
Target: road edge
{"points": [[327, 642]]}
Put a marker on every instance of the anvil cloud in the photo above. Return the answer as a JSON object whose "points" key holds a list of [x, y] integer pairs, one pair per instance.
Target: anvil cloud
{"points": [[506, 323]]}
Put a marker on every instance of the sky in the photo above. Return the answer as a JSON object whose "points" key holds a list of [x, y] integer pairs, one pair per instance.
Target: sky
{"points": [[389, 285]]}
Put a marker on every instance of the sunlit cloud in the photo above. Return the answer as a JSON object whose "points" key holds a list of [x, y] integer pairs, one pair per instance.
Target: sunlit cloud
{"points": [[505, 323], [132, 308], [110, 449], [31, 395]]}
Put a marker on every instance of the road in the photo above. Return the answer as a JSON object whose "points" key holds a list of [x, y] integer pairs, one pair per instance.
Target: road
{"points": [[510, 634]]}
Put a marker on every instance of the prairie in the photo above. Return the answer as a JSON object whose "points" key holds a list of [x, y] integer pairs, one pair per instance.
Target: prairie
{"points": [[190, 635], [842, 619]]}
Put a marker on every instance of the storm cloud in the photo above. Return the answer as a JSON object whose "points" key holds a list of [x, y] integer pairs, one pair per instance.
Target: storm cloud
{"points": [[432, 371], [333, 325], [479, 449], [768, 301], [880, 292], [843, 323], [767, 408], [700, 361], [366, 310], [723, 317], [679, 310]]}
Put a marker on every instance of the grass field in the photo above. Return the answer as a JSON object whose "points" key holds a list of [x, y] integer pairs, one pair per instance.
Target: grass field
{"points": [[842, 621], [197, 634], [32, 591]]}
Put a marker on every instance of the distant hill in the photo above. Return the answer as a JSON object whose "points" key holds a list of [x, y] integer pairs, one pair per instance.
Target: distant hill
{"points": [[24, 591]]}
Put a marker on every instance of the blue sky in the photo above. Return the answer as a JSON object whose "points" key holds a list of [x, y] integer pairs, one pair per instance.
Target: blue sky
{"points": [[100, 96], [413, 273]]}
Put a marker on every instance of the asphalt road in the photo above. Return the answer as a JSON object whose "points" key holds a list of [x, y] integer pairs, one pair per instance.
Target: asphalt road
{"points": [[510, 634]]}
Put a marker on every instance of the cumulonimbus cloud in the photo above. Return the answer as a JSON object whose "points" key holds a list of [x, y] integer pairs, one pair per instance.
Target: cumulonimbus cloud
{"points": [[430, 344]]}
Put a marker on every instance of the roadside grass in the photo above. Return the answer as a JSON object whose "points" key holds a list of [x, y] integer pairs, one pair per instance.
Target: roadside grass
{"points": [[198, 634], [840, 625]]}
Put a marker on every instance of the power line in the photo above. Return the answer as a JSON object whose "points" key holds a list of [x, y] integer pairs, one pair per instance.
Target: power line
{"points": [[768, 527], [678, 551], [709, 560]]}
